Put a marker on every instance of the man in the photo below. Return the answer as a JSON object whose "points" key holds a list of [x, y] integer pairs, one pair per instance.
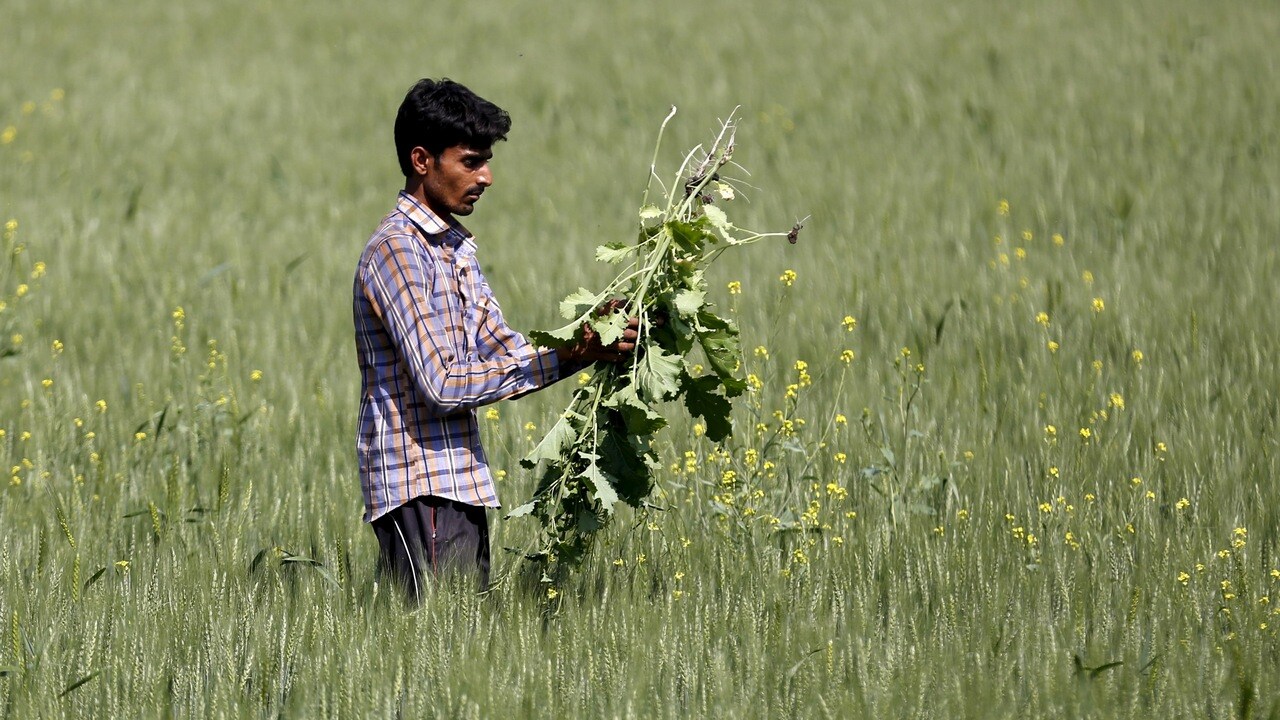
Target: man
{"points": [[432, 345]]}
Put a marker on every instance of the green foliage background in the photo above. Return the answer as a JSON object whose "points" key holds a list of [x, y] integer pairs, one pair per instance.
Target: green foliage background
{"points": [[231, 158]]}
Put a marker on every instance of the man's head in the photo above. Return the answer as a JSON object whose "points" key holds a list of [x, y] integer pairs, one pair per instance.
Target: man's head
{"points": [[444, 138]]}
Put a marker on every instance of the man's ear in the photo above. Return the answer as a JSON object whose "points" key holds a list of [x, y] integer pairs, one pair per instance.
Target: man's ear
{"points": [[422, 160]]}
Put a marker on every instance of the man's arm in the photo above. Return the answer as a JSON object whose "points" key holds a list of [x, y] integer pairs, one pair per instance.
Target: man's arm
{"points": [[403, 287]]}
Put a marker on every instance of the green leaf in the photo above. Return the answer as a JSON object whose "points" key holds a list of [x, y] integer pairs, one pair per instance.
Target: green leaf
{"points": [[557, 440], [702, 400], [560, 337], [650, 212], [689, 302], [888, 455], [627, 465], [614, 252], [719, 340], [521, 511], [253, 564], [76, 685], [658, 374], [602, 489], [733, 386], [687, 237], [635, 413], [796, 668], [552, 475], [610, 327], [587, 521], [579, 304], [301, 559], [675, 334], [94, 578], [787, 520], [291, 560], [719, 221]]}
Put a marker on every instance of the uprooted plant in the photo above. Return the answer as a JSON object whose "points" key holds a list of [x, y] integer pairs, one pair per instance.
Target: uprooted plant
{"points": [[598, 452]]}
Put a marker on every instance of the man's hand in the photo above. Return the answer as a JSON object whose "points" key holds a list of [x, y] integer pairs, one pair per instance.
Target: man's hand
{"points": [[590, 349]]}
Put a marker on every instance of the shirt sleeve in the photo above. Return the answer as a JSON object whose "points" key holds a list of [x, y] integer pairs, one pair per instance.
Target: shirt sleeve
{"points": [[498, 337], [406, 291]]}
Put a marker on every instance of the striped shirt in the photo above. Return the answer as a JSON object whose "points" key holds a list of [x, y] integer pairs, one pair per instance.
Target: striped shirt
{"points": [[432, 347]]}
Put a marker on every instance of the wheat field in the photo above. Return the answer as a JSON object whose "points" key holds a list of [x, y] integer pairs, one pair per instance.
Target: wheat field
{"points": [[1011, 446]]}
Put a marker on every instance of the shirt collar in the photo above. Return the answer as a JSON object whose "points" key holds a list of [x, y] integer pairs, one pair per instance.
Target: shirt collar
{"points": [[434, 228]]}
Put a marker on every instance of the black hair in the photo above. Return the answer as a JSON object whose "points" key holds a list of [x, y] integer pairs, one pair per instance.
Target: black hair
{"points": [[439, 114]]}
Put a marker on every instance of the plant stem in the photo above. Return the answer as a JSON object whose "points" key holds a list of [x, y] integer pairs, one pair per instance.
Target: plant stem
{"points": [[653, 164]]}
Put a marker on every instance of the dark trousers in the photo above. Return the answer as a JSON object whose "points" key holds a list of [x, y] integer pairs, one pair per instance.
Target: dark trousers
{"points": [[430, 536]]}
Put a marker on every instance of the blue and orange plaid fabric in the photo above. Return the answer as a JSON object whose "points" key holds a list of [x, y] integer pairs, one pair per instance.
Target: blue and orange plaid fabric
{"points": [[432, 347]]}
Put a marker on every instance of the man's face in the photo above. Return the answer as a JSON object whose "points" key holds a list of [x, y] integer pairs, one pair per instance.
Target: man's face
{"points": [[453, 182]]}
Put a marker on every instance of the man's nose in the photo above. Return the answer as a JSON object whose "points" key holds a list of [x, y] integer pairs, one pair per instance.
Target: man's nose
{"points": [[485, 177]]}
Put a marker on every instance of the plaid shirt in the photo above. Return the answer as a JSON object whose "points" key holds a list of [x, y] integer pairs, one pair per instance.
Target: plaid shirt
{"points": [[432, 346]]}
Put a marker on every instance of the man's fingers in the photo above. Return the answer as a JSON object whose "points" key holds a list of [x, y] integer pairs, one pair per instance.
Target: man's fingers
{"points": [[616, 352], [611, 305], [592, 350]]}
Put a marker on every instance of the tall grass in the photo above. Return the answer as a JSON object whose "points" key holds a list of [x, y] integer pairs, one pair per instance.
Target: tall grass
{"points": [[193, 545]]}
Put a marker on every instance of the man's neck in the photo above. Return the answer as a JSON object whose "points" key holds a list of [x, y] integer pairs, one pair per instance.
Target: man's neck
{"points": [[414, 190]]}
